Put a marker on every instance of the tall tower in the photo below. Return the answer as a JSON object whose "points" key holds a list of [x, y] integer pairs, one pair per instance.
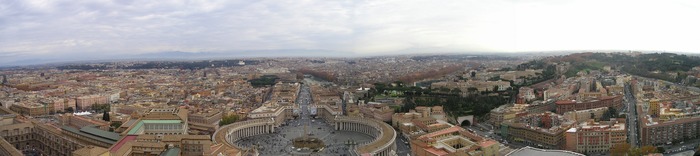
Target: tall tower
{"points": [[4, 79]]}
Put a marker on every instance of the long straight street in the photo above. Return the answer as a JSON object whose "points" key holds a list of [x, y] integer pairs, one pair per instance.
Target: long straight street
{"points": [[631, 104]]}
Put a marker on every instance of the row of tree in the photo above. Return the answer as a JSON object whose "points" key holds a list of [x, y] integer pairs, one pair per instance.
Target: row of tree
{"points": [[265, 80], [625, 149], [319, 74], [456, 105], [430, 73]]}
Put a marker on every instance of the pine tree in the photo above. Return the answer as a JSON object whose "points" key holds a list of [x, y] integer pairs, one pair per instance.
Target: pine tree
{"points": [[105, 116]]}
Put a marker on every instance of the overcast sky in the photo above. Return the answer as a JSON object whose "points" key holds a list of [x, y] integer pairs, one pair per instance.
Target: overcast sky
{"points": [[73, 28]]}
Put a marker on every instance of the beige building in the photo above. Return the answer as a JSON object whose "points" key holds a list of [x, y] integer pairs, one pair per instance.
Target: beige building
{"points": [[86, 102], [8, 149], [33, 109], [435, 112], [453, 141], [545, 129], [44, 138], [420, 120], [377, 111], [77, 121], [206, 120], [596, 137], [481, 86], [146, 145], [506, 112], [654, 131], [585, 115]]}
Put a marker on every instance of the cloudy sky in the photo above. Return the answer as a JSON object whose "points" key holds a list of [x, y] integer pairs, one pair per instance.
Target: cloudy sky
{"points": [[102, 28]]}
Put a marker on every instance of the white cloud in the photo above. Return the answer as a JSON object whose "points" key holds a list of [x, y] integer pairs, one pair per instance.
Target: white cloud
{"points": [[38, 27]]}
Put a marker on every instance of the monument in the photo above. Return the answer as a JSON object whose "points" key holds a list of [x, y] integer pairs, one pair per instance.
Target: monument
{"points": [[308, 144]]}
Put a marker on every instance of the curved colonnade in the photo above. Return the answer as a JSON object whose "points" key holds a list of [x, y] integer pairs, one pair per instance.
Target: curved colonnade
{"points": [[236, 131], [383, 143]]}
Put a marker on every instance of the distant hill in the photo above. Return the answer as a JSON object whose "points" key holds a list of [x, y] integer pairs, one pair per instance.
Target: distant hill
{"points": [[667, 66]]}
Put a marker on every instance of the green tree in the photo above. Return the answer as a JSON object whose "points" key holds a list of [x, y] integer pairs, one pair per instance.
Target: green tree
{"points": [[69, 110], [660, 149], [105, 116], [455, 91], [228, 119], [610, 113], [472, 90], [648, 150], [115, 124], [619, 149], [100, 107]]}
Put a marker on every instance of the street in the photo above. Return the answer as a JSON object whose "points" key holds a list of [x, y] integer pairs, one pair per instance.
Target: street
{"points": [[486, 131], [631, 104], [402, 146]]}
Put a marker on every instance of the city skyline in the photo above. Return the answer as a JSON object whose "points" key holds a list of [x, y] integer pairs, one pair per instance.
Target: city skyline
{"points": [[36, 32], [592, 103]]}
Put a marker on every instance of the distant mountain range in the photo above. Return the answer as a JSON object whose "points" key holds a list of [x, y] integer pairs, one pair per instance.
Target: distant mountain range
{"points": [[53, 59], [242, 54]]}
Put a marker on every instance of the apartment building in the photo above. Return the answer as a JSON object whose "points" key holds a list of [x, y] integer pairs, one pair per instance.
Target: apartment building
{"points": [[543, 130], [603, 101], [596, 137]]}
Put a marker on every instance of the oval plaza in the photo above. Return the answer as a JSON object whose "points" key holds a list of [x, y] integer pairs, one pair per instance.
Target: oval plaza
{"points": [[281, 119]]}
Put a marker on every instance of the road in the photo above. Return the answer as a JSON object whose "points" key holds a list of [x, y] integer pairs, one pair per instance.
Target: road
{"points": [[682, 148], [631, 104], [484, 130], [402, 146]]}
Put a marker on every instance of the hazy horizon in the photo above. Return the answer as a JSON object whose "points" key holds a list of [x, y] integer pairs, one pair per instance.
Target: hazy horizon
{"points": [[39, 32]]}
